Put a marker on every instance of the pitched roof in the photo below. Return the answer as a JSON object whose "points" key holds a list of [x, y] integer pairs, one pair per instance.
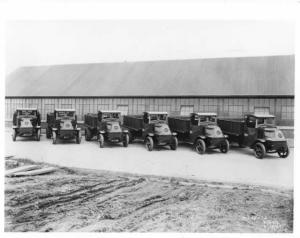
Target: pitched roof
{"points": [[264, 75]]}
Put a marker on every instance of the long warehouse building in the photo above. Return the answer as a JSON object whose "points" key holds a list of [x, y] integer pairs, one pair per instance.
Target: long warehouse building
{"points": [[230, 87]]}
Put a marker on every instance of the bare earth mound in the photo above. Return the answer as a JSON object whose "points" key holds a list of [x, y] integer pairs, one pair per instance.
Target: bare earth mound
{"points": [[82, 200]]}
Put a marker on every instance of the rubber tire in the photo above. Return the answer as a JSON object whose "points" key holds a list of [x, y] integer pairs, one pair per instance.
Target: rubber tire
{"points": [[259, 147], [285, 154], [149, 143], [48, 133], [200, 144], [131, 138], [78, 138], [174, 143], [224, 147], [126, 140], [54, 138], [14, 135], [38, 135], [101, 141], [87, 134]]}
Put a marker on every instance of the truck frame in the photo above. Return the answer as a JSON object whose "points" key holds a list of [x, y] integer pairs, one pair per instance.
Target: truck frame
{"points": [[106, 126], [257, 131], [200, 130], [26, 123], [152, 128], [62, 124]]}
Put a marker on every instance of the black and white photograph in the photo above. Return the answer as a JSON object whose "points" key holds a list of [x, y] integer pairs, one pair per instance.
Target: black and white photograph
{"points": [[149, 125]]}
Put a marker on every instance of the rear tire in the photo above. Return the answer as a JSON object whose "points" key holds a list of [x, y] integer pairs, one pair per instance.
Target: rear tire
{"points": [[101, 141], [149, 143], [14, 135], [224, 147], [174, 143], [126, 140], [284, 153], [48, 133], [78, 137], [53, 138], [38, 135], [87, 134], [131, 137], [259, 150], [200, 146]]}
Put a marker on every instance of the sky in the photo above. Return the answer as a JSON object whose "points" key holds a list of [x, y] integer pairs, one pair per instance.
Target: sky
{"points": [[66, 42]]}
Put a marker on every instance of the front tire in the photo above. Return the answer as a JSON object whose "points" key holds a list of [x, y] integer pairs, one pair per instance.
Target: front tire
{"points": [[48, 133], [87, 134], [259, 150], [174, 143], [149, 143], [284, 152], [224, 147], [78, 137], [14, 135], [38, 135], [53, 138], [200, 146], [101, 141], [126, 140]]}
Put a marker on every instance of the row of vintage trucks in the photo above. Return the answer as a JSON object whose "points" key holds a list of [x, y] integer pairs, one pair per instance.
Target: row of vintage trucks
{"points": [[201, 130]]}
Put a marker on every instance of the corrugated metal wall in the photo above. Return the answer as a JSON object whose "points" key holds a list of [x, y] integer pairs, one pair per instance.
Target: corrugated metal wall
{"points": [[283, 108]]}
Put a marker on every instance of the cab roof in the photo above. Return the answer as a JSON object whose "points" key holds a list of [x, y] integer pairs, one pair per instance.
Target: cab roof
{"points": [[260, 115], [109, 111], [153, 112], [29, 109], [205, 113], [64, 110]]}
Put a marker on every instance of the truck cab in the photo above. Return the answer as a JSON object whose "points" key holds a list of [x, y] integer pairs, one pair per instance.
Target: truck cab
{"points": [[26, 122]]}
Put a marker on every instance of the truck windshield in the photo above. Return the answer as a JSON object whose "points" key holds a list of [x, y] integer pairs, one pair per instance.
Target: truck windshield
{"points": [[65, 114], [27, 113], [158, 117], [111, 115], [268, 120], [208, 119]]}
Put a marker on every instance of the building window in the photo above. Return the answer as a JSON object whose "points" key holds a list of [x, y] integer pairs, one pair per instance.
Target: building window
{"points": [[103, 107], [235, 110], [123, 109], [47, 109], [287, 113], [186, 110], [66, 106], [262, 110]]}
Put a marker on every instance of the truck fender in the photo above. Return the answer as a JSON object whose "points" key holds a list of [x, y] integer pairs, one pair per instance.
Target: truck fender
{"points": [[260, 140], [14, 127], [150, 134], [78, 129], [201, 137], [101, 132], [54, 129], [125, 131], [174, 133], [38, 127]]}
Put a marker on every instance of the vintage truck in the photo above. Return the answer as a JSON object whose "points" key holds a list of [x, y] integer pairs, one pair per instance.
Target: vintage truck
{"points": [[200, 130], [106, 126], [26, 122], [257, 131], [152, 128], [62, 123]]}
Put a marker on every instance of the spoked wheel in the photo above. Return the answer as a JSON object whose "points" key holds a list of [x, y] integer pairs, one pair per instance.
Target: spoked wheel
{"points": [[284, 152], [174, 143], [126, 140], [149, 143], [101, 141], [38, 135], [259, 150], [78, 137], [14, 135], [53, 138], [200, 146], [224, 147]]}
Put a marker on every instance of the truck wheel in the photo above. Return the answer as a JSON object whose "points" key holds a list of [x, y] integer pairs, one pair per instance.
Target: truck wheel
{"points": [[38, 135], [78, 137], [284, 152], [101, 141], [174, 143], [224, 147], [200, 146], [131, 138], [48, 133], [149, 143], [14, 135], [259, 150], [87, 134], [126, 140], [53, 138]]}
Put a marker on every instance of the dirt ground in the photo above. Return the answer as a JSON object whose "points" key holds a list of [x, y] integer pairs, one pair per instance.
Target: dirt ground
{"points": [[99, 201]]}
